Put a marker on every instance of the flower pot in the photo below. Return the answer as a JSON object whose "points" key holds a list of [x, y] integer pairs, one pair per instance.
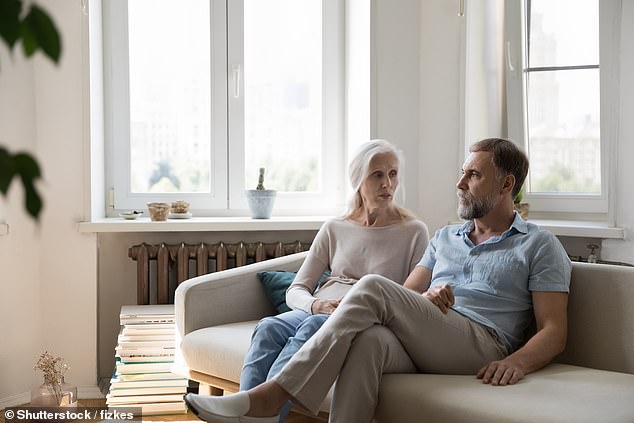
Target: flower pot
{"points": [[261, 202]]}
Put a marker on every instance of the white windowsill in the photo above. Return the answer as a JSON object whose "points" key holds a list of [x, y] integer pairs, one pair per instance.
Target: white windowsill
{"points": [[583, 229], [204, 224]]}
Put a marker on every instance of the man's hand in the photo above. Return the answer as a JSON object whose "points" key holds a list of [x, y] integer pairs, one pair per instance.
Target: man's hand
{"points": [[324, 306], [441, 296], [503, 372]]}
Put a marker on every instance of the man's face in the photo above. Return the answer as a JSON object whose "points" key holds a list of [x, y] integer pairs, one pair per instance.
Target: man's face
{"points": [[478, 187]]}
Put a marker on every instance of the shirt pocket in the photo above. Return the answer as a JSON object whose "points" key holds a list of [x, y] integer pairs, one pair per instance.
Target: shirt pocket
{"points": [[498, 269]]}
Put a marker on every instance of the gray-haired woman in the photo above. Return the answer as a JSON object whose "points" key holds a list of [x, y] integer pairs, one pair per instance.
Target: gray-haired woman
{"points": [[375, 236]]}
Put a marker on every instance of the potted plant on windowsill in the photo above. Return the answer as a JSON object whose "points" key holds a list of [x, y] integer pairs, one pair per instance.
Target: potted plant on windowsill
{"points": [[522, 208], [260, 199]]}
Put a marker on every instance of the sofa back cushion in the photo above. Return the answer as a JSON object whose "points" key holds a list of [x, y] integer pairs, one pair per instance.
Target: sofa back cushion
{"points": [[601, 318]]}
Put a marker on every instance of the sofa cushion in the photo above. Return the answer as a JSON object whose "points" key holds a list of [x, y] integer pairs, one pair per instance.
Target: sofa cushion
{"points": [[218, 350], [275, 284], [557, 393]]}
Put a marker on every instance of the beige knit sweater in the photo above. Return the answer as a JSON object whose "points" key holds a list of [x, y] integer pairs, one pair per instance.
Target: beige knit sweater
{"points": [[350, 251]]}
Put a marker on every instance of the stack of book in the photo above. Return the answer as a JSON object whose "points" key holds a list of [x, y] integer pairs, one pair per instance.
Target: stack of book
{"points": [[144, 355]]}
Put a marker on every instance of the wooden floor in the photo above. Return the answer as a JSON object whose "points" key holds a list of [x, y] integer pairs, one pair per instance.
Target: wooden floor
{"points": [[101, 402]]}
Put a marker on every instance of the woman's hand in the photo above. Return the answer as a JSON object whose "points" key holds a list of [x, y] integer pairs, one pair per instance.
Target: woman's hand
{"points": [[324, 306], [441, 296]]}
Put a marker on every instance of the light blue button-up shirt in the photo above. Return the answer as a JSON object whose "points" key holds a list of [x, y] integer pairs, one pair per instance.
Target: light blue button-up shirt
{"points": [[492, 282]]}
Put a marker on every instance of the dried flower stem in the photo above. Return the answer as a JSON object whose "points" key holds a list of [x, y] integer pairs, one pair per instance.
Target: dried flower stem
{"points": [[54, 369]]}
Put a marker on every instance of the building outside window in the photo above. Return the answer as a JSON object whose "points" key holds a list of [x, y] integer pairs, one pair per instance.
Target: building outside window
{"points": [[200, 94], [559, 75]]}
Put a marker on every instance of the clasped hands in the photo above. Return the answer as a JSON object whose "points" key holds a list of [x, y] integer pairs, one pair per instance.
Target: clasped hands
{"points": [[498, 373], [324, 306]]}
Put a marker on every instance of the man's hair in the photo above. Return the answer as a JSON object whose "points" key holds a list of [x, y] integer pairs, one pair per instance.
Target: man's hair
{"points": [[507, 159]]}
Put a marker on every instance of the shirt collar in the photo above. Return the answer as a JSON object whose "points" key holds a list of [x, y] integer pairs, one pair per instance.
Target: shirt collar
{"points": [[518, 225]]}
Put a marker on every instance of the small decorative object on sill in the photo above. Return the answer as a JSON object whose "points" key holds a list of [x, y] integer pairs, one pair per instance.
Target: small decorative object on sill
{"points": [[522, 208], [592, 257], [180, 210], [54, 392], [261, 200], [158, 211]]}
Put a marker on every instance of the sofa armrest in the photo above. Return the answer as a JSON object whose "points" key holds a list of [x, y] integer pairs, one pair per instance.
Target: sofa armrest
{"points": [[228, 296]]}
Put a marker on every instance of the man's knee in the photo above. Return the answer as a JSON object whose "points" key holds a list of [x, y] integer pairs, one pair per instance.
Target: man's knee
{"points": [[371, 284]]}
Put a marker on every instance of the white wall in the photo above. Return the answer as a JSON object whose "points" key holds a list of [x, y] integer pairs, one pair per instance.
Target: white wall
{"points": [[49, 271], [439, 119], [20, 312]]}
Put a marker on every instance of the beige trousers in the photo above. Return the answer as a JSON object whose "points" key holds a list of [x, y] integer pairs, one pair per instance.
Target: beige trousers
{"points": [[381, 327]]}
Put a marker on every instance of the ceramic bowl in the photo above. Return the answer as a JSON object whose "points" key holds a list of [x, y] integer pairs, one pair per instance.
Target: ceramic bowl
{"points": [[158, 211]]}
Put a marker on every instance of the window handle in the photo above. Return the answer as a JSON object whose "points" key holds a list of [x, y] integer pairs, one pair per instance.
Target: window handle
{"points": [[509, 63], [236, 80]]}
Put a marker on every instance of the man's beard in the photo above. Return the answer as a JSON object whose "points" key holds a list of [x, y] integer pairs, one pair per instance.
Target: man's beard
{"points": [[474, 208]]}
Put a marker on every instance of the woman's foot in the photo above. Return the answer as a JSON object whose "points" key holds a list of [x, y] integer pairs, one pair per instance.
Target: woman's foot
{"points": [[229, 409]]}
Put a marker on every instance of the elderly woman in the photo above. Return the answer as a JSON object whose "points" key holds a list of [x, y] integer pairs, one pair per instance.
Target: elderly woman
{"points": [[374, 236]]}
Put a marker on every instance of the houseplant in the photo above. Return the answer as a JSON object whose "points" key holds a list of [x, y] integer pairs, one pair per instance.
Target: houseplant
{"points": [[522, 208], [36, 31], [54, 392], [260, 199]]}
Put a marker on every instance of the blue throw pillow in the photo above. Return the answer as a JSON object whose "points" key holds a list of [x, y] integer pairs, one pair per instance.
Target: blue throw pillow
{"points": [[276, 283]]}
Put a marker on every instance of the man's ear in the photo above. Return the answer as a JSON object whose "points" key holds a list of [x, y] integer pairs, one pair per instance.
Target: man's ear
{"points": [[509, 183]]}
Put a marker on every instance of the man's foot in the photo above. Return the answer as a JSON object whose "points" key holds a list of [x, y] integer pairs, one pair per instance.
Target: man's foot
{"points": [[229, 409]]}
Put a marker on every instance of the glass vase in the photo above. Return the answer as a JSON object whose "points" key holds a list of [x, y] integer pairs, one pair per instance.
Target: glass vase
{"points": [[54, 395]]}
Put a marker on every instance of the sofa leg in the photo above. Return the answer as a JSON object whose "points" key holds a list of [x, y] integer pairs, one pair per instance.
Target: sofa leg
{"points": [[204, 389]]}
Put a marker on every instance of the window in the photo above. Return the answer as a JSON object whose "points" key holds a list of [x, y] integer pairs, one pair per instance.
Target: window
{"points": [[200, 94], [559, 63]]}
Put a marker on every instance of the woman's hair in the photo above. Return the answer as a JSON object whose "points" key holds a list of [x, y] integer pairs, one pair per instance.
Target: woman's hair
{"points": [[358, 169]]}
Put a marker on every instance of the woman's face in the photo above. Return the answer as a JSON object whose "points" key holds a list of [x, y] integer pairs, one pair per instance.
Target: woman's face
{"points": [[377, 190]]}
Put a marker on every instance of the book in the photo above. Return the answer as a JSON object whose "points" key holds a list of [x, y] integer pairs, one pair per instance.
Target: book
{"points": [[117, 383], [131, 368], [166, 339], [143, 399], [155, 313], [145, 358], [148, 390], [149, 328], [135, 350], [147, 376], [147, 344], [155, 408]]}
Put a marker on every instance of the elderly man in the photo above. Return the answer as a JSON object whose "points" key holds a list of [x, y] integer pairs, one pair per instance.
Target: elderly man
{"points": [[464, 309]]}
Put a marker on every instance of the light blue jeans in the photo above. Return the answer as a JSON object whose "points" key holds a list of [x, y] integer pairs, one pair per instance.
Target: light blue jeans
{"points": [[275, 340]]}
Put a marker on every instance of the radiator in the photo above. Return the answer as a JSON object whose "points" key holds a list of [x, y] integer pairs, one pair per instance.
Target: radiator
{"points": [[174, 263]]}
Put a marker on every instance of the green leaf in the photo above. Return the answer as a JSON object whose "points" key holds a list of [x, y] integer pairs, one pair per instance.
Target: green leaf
{"points": [[40, 27], [29, 40], [27, 166], [10, 21], [7, 170], [32, 200], [24, 165]]}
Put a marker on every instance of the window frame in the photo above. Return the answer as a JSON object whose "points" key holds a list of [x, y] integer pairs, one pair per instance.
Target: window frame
{"points": [[516, 64], [227, 143]]}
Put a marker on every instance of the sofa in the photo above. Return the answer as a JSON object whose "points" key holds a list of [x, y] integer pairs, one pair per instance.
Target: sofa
{"points": [[591, 381]]}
